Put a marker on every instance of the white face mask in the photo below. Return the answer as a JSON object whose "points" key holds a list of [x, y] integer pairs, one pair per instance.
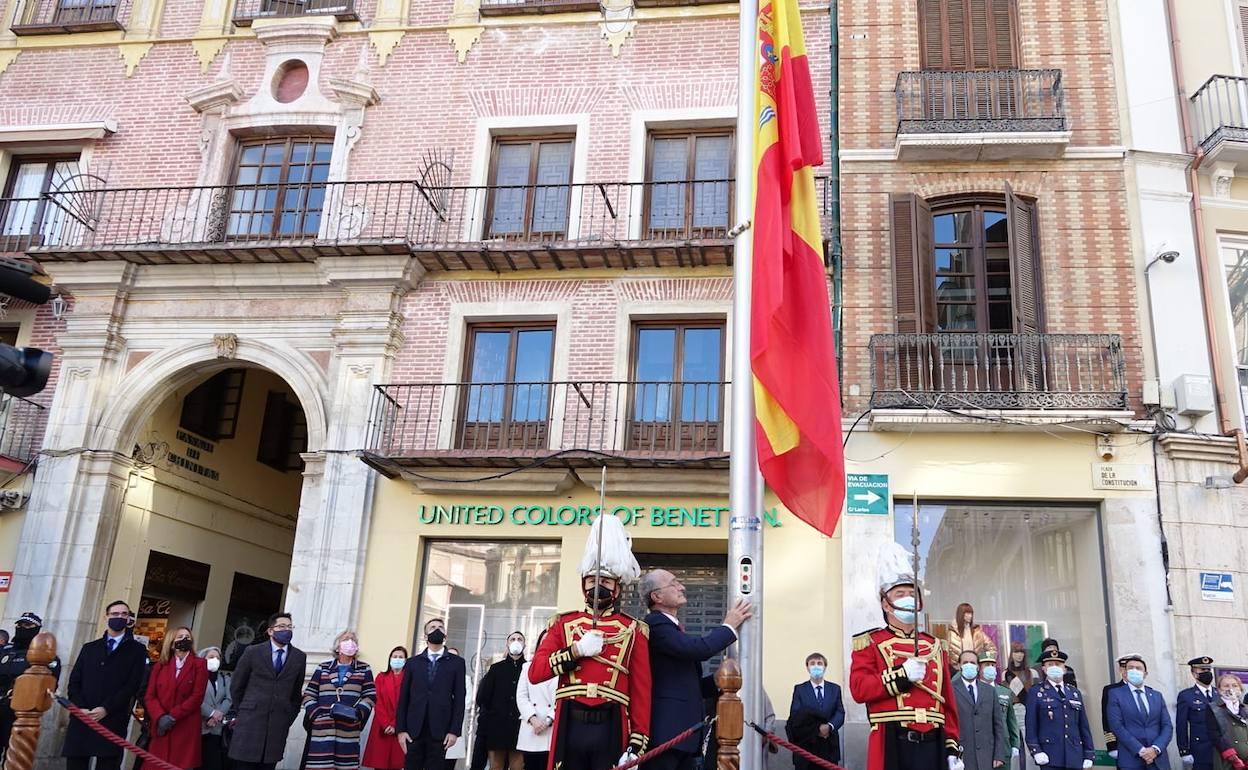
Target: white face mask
{"points": [[214, 664], [515, 648], [397, 663]]}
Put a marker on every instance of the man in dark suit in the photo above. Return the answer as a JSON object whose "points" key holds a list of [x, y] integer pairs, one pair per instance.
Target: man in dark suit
{"points": [[104, 681], [816, 715], [1191, 722], [676, 660], [430, 712], [981, 725], [1140, 720], [266, 690]]}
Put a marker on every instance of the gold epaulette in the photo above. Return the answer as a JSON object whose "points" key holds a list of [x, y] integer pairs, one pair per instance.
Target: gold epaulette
{"points": [[644, 627], [863, 640]]}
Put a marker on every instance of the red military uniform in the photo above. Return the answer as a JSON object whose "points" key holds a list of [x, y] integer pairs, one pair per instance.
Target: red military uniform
{"points": [[896, 706], [619, 675]]}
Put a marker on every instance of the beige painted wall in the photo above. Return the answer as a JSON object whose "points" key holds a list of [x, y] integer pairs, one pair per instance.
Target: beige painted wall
{"points": [[1205, 36]]}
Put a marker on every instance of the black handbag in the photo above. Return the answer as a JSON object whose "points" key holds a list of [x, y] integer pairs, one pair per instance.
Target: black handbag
{"points": [[341, 712]]}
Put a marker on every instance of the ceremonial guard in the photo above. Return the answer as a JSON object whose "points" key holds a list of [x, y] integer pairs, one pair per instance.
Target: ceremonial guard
{"points": [[1111, 740], [903, 677], [1057, 731], [602, 659], [12, 665], [1191, 717]]}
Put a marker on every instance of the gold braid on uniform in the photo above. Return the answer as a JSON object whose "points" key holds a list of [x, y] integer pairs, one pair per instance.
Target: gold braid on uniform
{"points": [[562, 661], [953, 747], [638, 742], [895, 681]]}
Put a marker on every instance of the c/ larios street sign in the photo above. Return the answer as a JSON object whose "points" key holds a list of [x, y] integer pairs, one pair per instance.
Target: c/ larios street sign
{"points": [[866, 493]]}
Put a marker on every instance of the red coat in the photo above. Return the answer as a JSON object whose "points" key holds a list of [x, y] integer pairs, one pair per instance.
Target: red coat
{"points": [[382, 751], [179, 696]]}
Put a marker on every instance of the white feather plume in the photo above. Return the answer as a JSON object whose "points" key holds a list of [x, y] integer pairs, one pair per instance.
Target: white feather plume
{"points": [[618, 560], [896, 566]]}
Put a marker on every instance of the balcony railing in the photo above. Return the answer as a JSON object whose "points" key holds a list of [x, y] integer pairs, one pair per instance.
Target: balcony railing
{"points": [[1220, 108], [998, 371], [609, 224], [45, 17], [247, 11], [506, 7], [634, 422], [21, 428], [22, 223], [974, 101]]}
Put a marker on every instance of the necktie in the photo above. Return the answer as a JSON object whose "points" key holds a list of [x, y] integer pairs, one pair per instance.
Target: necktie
{"points": [[112, 644], [819, 695], [278, 659], [971, 689], [1139, 701], [433, 667]]}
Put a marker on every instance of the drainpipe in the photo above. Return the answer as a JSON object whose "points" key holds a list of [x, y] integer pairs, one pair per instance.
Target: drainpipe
{"points": [[1202, 265], [834, 184]]}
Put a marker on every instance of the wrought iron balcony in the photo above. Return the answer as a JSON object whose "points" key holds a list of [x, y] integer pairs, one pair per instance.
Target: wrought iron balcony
{"points": [[998, 371], [507, 7], [498, 228], [21, 224], [22, 423], [47, 17], [247, 11], [573, 423], [1220, 110], [977, 101]]}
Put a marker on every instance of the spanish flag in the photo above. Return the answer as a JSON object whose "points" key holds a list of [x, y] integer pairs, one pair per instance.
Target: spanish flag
{"points": [[792, 352]]}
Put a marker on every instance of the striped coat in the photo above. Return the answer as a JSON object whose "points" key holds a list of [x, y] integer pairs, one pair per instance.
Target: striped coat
{"points": [[333, 742]]}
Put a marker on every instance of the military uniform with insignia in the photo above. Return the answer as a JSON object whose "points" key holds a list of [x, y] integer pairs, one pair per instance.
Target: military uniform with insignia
{"points": [[1057, 730], [1111, 741], [909, 697], [602, 659], [12, 665], [1005, 702], [1191, 725]]}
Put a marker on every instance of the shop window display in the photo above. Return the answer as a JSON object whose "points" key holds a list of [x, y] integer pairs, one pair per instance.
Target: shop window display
{"points": [[1015, 574]]}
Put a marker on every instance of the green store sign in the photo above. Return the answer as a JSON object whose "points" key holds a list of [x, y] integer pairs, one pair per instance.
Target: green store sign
{"points": [[705, 517]]}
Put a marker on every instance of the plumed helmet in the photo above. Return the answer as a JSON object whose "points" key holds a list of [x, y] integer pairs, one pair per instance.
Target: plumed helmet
{"points": [[895, 568], [618, 561]]}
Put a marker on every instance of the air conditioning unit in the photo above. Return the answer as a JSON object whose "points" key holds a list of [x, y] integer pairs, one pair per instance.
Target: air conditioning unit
{"points": [[12, 499]]}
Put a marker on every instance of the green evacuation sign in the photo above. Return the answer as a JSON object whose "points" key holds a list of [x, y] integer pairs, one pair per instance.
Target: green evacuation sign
{"points": [[866, 493]]}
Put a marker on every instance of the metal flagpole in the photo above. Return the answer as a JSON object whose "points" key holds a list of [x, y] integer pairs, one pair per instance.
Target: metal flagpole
{"points": [[745, 492]]}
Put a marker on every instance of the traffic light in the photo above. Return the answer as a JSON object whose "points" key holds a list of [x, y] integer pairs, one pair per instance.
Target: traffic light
{"points": [[23, 371]]}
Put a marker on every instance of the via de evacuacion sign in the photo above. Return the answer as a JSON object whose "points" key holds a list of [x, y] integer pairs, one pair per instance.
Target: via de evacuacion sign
{"points": [[658, 515]]}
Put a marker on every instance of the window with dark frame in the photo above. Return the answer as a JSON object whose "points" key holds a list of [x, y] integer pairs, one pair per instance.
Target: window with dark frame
{"points": [[211, 409], [24, 211], [968, 34], [279, 188], [972, 269], [689, 184], [283, 434], [678, 391], [506, 399], [85, 11], [530, 188]]}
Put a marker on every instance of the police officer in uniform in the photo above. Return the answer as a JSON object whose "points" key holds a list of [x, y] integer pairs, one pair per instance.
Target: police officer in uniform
{"points": [[1057, 731], [1111, 741], [12, 665], [1191, 726]]}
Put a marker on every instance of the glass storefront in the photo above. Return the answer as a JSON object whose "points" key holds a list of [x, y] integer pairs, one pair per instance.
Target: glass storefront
{"points": [[1027, 571]]}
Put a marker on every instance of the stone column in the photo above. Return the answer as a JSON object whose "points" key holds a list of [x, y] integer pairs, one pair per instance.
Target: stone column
{"points": [[331, 535]]}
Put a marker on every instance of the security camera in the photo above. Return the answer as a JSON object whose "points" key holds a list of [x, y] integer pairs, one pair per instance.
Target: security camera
{"points": [[1168, 256]]}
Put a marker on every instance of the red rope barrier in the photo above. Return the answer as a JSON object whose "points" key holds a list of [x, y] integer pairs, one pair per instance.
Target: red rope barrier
{"points": [[110, 736], [798, 750], [657, 750]]}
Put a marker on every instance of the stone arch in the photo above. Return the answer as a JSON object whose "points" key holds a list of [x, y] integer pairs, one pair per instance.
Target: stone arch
{"points": [[157, 376]]}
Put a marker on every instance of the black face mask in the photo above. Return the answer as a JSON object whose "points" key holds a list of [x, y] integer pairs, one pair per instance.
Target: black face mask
{"points": [[116, 625], [183, 645], [599, 597], [436, 636], [22, 636], [1205, 678]]}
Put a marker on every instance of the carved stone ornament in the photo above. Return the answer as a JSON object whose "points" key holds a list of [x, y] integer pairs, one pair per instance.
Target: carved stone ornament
{"points": [[226, 345], [1222, 175]]}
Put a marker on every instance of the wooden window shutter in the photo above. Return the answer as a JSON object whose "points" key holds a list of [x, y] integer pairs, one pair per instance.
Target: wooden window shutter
{"points": [[1024, 262], [913, 263], [932, 32], [272, 450], [1004, 35]]}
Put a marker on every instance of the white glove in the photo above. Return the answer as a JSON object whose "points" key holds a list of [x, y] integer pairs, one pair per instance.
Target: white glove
{"points": [[1041, 758], [627, 756], [956, 764], [916, 670], [1188, 759], [1087, 763], [589, 645], [1113, 754], [1014, 753]]}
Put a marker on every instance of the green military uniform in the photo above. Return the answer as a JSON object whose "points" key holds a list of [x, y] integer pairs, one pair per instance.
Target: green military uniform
{"points": [[1005, 702]]}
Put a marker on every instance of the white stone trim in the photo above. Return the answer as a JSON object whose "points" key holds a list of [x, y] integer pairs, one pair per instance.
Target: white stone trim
{"points": [[1229, 204], [483, 142], [1096, 152], [989, 145], [1165, 196], [1089, 152], [641, 123], [58, 132]]}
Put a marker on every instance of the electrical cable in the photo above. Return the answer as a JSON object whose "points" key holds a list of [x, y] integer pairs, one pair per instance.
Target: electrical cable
{"points": [[539, 462]]}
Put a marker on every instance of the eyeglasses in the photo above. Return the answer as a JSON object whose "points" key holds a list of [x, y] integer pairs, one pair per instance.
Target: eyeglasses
{"points": [[121, 614], [282, 627]]}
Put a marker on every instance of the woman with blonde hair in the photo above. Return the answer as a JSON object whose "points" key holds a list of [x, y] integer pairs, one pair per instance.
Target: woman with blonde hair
{"points": [[337, 702], [175, 692]]}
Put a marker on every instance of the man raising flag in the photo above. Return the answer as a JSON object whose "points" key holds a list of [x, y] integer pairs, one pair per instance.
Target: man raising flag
{"points": [[796, 396]]}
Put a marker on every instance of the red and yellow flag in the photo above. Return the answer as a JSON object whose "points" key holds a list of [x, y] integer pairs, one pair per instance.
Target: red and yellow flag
{"points": [[792, 351]]}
